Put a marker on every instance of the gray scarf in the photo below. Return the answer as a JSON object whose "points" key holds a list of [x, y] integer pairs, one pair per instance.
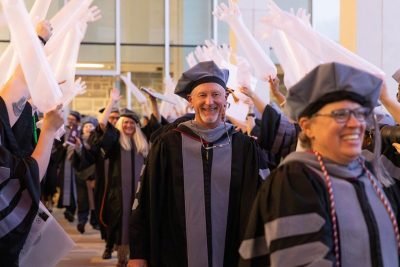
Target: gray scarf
{"points": [[351, 170], [210, 135]]}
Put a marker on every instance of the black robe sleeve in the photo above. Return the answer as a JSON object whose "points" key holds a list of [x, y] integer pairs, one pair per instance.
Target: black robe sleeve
{"points": [[164, 121], [151, 127], [278, 135], [390, 134], [26, 170], [104, 141], [256, 131], [289, 191]]}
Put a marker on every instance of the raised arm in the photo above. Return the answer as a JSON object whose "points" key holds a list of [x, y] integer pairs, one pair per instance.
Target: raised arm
{"points": [[52, 121], [114, 98], [154, 108], [15, 91], [258, 102], [274, 88]]}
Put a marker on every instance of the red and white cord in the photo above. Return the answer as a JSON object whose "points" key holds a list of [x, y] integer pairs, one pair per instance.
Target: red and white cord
{"points": [[332, 206], [385, 203]]}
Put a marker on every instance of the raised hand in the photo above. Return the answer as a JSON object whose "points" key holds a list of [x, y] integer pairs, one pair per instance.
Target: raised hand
{"points": [[53, 119], [274, 84], [115, 95], [94, 14], [212, 51], [262, 64], [79, 86], [246, 91], [169, 85], [191, 60], [78, 144], [200, 54], [303, 15], [78, 89], [230, 14], [275, 14], [273, 8]]}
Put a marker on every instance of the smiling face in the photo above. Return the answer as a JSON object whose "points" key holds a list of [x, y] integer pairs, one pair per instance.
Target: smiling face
{"points": [[128, 126], [72, 121], [340, 142], [209, 102]]}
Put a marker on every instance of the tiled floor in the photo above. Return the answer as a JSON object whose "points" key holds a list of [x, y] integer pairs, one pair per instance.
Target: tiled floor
{"points": [[89, 246]]}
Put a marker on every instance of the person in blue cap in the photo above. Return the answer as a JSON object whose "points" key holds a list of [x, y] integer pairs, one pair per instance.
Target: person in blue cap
{"points": [[327, 205], [198, 184]]}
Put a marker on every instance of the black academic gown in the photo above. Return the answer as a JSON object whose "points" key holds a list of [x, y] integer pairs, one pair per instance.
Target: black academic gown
{"points": [[83, 175], [62, 155], [19, 171], [158, 221], [112, 202], [96, 155], [290, 220]]}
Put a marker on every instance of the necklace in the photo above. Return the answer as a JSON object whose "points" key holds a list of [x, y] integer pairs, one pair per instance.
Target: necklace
{"points": [[378, 192]]}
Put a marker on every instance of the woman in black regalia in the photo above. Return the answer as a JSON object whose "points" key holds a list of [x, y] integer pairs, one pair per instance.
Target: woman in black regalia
{"points": [[327, 206], [125, 146]]}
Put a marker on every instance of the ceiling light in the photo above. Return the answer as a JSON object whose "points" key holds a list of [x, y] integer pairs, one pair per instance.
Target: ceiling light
{"points": [[90, 65]]}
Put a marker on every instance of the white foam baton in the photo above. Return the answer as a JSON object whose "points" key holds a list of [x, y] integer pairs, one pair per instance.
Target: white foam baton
{"points": [[168, 109], [8, 59], [43, 88], [133, 89], [264, 67], [320, 46], [64, 20]]}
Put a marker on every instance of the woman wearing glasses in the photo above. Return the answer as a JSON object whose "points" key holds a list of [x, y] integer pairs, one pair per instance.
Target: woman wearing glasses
{"points": [[327, 206]]}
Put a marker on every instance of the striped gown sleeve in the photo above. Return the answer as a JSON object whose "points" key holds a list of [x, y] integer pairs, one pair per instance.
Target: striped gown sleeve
{"points": [[289, 225], [19, 199], [278, 135]]}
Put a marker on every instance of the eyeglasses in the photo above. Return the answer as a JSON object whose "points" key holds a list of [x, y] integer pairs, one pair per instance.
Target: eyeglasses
{"points": [[343, 115], [216, 145], [113, 117]]}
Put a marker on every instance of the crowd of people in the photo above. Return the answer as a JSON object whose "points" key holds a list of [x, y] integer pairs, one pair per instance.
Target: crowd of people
{"points": [[298, 186]]}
